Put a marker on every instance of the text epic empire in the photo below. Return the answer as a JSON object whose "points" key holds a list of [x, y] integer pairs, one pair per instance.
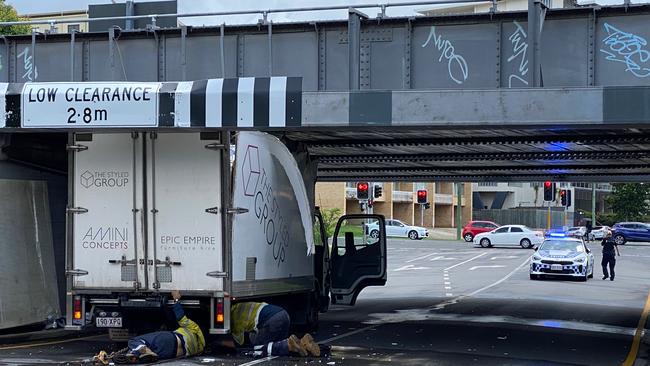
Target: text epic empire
{"points": [[118, 94]]}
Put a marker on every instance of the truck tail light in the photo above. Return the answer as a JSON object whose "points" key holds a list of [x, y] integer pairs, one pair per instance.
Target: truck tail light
{"points": [[76, 308], [218, 314]]}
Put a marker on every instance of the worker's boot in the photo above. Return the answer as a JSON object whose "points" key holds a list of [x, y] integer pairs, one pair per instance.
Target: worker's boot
{"points": [[294, 346], [147, 355], [310, 345]]}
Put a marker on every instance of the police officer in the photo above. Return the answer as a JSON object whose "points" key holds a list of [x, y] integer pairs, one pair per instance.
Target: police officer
{"points": [[610, 250]]}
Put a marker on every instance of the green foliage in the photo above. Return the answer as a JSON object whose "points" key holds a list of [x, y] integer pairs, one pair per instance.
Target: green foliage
{"points": [[606, 219], [629, 201], [330, 218], [9, 14]]}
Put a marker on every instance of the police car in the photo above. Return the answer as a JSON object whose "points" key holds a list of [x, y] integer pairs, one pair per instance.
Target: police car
{"points": [[562, 256]]}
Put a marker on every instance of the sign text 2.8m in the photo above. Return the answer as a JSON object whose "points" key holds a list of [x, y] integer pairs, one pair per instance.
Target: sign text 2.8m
{"points": [[89, 105]]}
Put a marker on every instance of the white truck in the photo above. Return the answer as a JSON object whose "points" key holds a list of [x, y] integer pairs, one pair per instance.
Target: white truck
{"points": [[150, 212]]}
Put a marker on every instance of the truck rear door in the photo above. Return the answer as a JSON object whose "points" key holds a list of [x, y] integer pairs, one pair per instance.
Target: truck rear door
{"points": [[106, 201], [185, 215], [357, 260]]}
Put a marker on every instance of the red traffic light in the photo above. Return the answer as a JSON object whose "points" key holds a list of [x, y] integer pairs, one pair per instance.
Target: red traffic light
{"points": [[562, 192], [547, 184], [362, 186], [422, 196]]}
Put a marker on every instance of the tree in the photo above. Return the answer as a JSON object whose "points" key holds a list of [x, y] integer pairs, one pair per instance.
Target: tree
{"points": [[330, 219], [9, 14], [629, 201]]}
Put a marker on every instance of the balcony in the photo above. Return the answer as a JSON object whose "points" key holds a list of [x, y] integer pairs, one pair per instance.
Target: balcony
{"points": [[402, 196]]}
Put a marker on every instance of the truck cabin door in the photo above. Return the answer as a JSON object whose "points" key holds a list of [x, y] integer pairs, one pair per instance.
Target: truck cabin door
{"points": [[358, 259]]}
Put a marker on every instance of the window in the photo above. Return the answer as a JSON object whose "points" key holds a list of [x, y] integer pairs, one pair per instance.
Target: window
{"points": [[478, 224], [73, 28], [516, 230], [491, 226], [503, 230]]}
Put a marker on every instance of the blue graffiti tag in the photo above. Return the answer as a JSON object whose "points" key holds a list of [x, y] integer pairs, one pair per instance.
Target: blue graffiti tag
{"points": [[627, 48]]}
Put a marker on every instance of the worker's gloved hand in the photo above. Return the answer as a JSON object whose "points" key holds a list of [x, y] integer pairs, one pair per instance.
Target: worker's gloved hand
{"points": [[176, 295]]}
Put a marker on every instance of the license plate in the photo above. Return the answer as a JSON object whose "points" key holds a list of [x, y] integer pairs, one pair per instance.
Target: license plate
{"points": [[108, 322], [556, 267]]}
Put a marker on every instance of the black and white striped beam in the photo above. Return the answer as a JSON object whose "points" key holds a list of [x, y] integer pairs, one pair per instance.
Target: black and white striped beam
{"points": [[242, 102]]}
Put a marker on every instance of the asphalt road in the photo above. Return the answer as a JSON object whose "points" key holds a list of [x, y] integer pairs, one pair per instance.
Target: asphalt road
{"points": [[449, 303]]}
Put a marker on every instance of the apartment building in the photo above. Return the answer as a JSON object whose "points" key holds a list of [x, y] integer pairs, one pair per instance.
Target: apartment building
{"points": [[399, 201], [59, 15]]}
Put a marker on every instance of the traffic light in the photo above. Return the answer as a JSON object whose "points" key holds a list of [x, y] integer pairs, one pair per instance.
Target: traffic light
{"points": [[422, 196], [549, 191], [563, 197], [377, 191], [362, 191], [568, 198]]}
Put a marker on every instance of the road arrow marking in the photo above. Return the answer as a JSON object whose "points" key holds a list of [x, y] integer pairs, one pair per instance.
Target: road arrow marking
{"points": [[504, 257], [442, 258], [477, 267], [410, 267]]}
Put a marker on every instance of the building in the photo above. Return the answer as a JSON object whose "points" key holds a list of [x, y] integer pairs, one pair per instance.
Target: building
{"points": [[399, 202], [517, 195], [59, 15], [486, 6]]}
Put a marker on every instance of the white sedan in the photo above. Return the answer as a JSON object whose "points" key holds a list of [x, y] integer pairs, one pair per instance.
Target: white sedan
{"points": [[510, 235], [396, 228], [598, 232]]}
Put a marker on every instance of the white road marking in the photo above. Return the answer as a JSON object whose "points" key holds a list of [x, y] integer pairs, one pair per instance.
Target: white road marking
{"points": [[505, 257], [447, 287], [410, 267], [442, 258], [466, 261], [477, 267], [449, 294], [447, 283], [422, 257], [444, 304]]}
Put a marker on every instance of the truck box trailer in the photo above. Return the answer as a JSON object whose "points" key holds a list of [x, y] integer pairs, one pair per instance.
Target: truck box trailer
{"points": [[220, 216]]}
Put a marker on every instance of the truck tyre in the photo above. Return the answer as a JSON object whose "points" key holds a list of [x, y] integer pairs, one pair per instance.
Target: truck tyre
{"points": [[312, 312]]}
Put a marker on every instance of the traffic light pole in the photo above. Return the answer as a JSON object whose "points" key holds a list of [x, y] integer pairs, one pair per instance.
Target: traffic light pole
{"points": [[548, 216], [593, 204], [421, 215]]}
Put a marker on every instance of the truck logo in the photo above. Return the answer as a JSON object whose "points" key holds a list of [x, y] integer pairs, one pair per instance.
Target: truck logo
{"points": [[251, 170], [103, 179], [87, 179]]}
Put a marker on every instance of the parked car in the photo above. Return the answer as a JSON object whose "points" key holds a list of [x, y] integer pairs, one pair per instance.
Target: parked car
{"points": [[510, 235], [476, 227], [577, 231], [598, 232], [623, 232], [396, 228], [562, 256]]}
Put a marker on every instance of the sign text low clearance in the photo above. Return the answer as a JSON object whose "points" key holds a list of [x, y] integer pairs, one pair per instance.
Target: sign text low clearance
{"points": [[84, 105]]}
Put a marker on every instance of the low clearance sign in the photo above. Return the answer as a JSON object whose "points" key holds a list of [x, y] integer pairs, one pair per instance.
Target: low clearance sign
{"points": [[70, 105]]}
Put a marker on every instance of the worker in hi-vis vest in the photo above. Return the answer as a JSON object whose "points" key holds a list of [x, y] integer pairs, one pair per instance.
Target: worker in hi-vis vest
{"points": [[266, 328]]}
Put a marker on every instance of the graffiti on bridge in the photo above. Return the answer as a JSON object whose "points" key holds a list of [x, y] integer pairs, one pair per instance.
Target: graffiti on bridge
{"points": [[627, 48], [456, 64]]}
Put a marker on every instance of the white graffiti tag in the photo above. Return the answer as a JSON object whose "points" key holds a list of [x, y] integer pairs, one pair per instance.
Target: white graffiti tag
{"points": [[31, 73], [456, 64], [519, 50], [627, 48]]}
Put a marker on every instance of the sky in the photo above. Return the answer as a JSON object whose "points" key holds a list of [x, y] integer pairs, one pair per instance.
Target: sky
{"points": [[202, 6]]}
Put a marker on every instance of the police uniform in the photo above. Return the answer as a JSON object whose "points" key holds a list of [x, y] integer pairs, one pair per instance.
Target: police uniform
{"points": [[609, 258]]}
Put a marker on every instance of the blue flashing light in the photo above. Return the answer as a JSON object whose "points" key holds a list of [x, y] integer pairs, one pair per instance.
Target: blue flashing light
{"points": [[558, 235]]}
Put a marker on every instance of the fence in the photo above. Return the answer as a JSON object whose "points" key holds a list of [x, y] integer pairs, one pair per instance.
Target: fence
{"points": [[534, 218]]}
